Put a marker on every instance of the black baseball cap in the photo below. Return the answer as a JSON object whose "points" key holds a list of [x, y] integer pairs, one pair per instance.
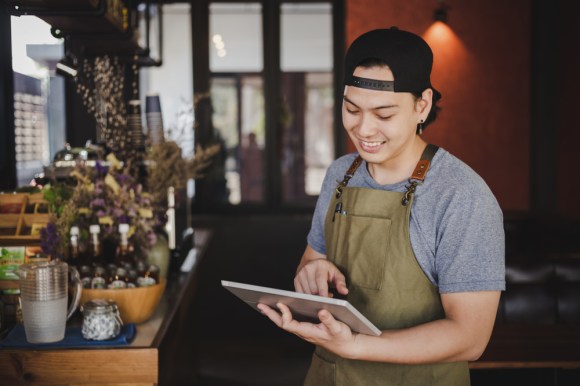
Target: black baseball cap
{"points": [[408, 56]]}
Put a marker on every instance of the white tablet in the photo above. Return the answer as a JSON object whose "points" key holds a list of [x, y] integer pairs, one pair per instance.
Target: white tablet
{"points": [[304, 307]]}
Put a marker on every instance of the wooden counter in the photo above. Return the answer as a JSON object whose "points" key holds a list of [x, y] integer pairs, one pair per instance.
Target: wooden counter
{"points": [[134, 364]]}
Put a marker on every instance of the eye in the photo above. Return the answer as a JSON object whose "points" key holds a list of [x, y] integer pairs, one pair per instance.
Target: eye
{"points": [[385, 118], [351, 111]]}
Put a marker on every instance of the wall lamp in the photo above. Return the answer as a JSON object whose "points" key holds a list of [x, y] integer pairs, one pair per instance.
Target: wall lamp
{"points": [[440, 13], [67, 66]]}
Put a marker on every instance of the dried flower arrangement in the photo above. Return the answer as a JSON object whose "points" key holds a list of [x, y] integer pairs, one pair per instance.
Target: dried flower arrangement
{"points": [[168, 167], [108, 195], [103, 195]]}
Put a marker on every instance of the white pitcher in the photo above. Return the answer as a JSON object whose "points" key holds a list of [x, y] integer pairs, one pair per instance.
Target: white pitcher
{"points": [[44, 296]]}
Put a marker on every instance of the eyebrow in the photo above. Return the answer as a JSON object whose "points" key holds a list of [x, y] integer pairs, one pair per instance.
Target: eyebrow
{"points": [[374, 108]]}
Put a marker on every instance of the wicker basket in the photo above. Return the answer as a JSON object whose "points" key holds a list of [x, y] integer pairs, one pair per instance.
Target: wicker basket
{"points": [[136, 305]]}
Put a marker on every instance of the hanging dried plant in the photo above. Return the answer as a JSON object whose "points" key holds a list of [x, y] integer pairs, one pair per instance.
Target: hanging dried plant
{"points": [[100, 83]]}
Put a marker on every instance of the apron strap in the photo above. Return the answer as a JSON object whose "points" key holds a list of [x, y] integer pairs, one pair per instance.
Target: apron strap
{"points": [[349, 173], [423, 165], [420, 172]]}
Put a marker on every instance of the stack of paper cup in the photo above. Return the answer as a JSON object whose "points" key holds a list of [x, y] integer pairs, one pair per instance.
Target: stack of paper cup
{"points": [[134, 125], [154, 118]]}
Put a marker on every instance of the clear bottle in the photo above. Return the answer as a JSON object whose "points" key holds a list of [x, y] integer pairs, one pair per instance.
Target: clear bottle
{"points": [[99, 280], [119, 279], [86, 274], [95, 251], [74, 251], [125, 255], [149, 277], [132, 278]]}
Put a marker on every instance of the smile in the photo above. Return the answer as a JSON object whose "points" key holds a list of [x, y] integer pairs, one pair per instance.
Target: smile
{"points": [[372, 144]]}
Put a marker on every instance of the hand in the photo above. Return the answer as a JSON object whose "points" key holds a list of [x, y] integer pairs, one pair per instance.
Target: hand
{"points": [[314, 276], [331, 334]]}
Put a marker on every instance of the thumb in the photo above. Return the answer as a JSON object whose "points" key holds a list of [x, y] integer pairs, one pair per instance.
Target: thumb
{"points": [[329, 321]]}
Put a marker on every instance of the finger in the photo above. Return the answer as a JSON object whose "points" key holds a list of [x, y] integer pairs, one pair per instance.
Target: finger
{"points": [[321, 281], [333, 326], [286, 314], [272, 314], [340, 282], [301, 284], [312, 272], [341, 287]]}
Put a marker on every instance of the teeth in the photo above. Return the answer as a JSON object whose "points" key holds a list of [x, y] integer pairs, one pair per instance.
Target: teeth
{"points": [[371, 144]]}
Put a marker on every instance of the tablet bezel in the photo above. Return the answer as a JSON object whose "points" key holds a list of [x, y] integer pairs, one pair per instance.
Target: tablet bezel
{"points": [[304, 307]]}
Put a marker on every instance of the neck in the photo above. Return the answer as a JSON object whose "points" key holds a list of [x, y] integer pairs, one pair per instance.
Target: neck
{"points": [[400, 166]]}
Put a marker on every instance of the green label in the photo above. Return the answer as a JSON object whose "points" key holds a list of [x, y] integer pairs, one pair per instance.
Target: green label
{"points": [[10, 259]]}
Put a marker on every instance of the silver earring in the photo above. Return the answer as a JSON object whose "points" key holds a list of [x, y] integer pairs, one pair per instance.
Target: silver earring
{"points": [[420, 127]]}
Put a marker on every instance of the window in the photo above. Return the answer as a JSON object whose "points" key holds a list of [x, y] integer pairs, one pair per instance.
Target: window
{"points": [[38, 96]]}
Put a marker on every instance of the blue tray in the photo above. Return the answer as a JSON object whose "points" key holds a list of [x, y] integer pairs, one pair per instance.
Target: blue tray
{"points": [[16, 338]]}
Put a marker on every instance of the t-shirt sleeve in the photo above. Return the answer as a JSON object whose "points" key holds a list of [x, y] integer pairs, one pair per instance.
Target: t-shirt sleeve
{"points": [[470, 245]]}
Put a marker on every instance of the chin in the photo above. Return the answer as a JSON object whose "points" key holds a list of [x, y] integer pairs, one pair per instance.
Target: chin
{"points": [[372, 158]]}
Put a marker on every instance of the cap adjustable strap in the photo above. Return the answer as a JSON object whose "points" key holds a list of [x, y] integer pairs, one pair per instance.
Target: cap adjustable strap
{"points": [[372, 84], [420, 172]]}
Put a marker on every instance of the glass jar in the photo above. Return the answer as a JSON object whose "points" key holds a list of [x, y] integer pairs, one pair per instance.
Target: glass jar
{"points": [[101, 320]]}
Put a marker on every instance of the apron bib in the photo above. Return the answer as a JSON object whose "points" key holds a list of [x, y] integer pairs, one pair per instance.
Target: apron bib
{"points": [[367, 238]]}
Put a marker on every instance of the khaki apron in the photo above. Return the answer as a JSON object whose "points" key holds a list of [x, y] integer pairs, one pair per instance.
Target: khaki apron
{"points": [[367, 238]]}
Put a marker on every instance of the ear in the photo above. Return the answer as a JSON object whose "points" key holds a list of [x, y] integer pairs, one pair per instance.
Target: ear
{"points": [[423, 105]]}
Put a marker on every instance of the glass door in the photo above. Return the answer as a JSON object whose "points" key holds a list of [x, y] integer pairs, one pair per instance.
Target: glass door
{"points": [[271, 102], [237, 97], [306, 117]]}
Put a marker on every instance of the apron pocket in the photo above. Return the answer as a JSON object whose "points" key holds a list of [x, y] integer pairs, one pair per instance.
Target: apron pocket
{"points": [[364, 250], [321, 373]]}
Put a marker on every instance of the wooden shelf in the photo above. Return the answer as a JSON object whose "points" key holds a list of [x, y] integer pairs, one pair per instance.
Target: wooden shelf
{"points": [[78, 16], [71, 5], [111, 45]]}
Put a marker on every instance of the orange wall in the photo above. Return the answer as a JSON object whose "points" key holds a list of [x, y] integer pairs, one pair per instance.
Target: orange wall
{"points": [[482, 68]]}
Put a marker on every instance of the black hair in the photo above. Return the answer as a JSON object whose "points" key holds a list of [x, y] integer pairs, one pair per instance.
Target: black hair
{"points": [[376, 62]]}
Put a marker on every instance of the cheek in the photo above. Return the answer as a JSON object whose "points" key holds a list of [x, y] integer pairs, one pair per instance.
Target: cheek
{"points": [[348, 121]]}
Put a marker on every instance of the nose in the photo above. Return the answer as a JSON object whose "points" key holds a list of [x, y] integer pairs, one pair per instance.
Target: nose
{"points": [[365, 126]]}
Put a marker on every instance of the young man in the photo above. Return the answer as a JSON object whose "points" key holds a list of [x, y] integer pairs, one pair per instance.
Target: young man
{"points": [[407, 232]]}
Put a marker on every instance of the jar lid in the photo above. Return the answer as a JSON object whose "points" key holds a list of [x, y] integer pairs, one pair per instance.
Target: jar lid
{"points": [[99, 305]]}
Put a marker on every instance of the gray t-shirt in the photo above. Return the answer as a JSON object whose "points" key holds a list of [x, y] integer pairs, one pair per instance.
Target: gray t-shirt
{"points": [[456, 223]]}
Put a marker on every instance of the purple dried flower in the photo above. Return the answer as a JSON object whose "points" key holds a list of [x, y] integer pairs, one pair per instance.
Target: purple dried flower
{"points": [[123, 179], [97, 202], [102, 170], [118, 212], [49, 239]]}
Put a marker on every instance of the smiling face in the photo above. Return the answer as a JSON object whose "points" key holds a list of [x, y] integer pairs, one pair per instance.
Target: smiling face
{"points": [[382, 125]]}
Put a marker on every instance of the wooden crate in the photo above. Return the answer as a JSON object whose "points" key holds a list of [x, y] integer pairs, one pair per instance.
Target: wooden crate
{"points": [[22, 215], [12, 203]]}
